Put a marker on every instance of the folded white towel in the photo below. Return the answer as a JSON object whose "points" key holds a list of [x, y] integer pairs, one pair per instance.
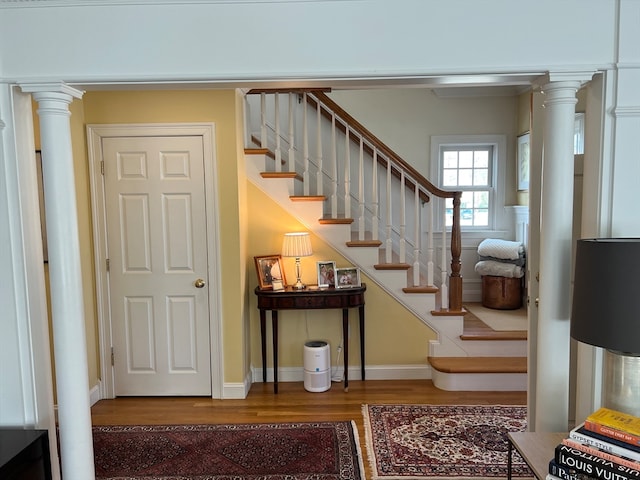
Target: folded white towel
{"points": [[505, 249], [499, 269]]}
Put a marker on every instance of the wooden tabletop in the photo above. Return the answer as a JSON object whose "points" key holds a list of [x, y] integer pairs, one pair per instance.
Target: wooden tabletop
{"points": [[537, 449]]}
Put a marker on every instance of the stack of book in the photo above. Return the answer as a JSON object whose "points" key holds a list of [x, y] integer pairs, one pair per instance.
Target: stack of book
{"points": [[605, 447]]}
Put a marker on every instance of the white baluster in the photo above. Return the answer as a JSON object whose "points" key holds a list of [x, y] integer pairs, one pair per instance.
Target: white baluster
{"points": [[403, 219], [292, 148], [263, 120], [305, 145], [334, 169], [430, 266], [347, 175], [389, 240], [361, 222], [416, 236], [319, 186], [444, 289], [374, 197], [278, 152]]}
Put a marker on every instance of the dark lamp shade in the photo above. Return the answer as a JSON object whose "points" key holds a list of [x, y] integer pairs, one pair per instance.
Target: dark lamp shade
{"points": [[606, 292]]}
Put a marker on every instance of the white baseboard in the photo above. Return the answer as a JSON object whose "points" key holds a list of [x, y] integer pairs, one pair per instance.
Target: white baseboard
{"points": [[372, 372]]}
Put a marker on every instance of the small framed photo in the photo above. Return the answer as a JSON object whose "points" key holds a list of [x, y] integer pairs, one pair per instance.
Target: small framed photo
{"points": [[326, 274], [523, 161], [269, 269], [347, 277]]}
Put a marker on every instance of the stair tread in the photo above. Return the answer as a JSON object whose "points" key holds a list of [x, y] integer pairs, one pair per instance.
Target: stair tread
{"points": [[364, 243], [335, 221], [421, 289], [479, 364], [307, 198], [392, 266]]}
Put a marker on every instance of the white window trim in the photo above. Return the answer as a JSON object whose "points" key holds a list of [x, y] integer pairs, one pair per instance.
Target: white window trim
{"points": [[497, 216]]}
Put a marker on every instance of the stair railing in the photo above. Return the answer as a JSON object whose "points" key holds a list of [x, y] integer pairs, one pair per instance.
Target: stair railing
{"points": [[344, 149]]}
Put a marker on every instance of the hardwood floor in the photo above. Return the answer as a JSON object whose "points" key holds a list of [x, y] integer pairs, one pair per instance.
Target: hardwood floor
{"points": [[292, 404]]}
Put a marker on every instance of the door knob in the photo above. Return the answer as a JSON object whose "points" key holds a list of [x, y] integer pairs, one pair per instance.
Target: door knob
{"points": [[199, 283]]}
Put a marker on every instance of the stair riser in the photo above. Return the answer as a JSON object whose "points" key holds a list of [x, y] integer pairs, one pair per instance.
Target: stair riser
{"points": [[503, 382]]}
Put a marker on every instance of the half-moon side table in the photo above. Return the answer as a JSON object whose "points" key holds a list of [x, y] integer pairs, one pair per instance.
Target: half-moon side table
{"points": [[308, 299]]}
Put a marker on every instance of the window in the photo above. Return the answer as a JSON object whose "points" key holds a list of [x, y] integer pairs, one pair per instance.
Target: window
{"points": [[468, 168], [474, 165]]}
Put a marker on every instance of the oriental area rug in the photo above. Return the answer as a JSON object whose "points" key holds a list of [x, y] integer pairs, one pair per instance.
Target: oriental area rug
{"points": [[273, 451], [442, 441]]}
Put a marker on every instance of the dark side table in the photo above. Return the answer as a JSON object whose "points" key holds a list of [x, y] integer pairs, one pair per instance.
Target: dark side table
{"points": [[308, 299], [24, 454]]}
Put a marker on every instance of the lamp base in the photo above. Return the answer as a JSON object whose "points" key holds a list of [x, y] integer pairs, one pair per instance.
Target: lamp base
{"points": [[298, 285], [621, 383]]}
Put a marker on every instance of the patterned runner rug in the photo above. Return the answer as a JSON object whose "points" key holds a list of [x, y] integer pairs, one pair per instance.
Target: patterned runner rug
{"points": [[442, 441], [274, 451]]}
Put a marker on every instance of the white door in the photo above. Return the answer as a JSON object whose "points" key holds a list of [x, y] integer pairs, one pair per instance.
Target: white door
{"points": [[157, 249]]}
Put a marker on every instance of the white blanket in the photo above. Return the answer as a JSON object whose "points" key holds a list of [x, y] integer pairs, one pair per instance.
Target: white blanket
{"points": [[499, 269], [505, 249]]}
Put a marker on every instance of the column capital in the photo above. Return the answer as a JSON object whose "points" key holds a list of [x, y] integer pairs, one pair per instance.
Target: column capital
{"points": [[579, 77], [53, 87]]}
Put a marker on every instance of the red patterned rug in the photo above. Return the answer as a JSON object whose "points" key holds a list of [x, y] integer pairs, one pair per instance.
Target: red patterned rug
{"points": [[273, 451], [442, 441]]}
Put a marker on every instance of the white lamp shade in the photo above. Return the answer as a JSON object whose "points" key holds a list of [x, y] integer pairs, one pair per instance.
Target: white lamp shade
{"points": [[297, 244]]}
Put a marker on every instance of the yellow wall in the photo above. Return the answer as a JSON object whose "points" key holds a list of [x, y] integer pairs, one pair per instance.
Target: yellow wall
{"points": [[250, 225], [394, 336]]}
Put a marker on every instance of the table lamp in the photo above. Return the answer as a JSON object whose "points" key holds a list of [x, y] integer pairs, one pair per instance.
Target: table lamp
{"points": [[297, 244], [605, 314]]}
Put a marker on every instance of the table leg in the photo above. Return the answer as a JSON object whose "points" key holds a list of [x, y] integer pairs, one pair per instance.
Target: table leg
{"points": [[361, 313], [509, 455], [345, 337], [274, 334], [263, 343]]}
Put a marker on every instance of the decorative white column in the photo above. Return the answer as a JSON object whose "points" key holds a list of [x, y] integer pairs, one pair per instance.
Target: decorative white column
{"points": [[556, 218], [74, 408]]}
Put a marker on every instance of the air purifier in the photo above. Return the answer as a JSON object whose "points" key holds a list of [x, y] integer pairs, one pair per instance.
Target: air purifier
{"points": [[317, 366]]}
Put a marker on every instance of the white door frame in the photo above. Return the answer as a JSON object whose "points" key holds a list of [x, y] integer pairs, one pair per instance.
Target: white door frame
{"points": [[95, 134]]}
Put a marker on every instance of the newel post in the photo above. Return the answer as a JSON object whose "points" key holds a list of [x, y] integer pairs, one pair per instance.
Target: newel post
{"points": [[455, 281]]}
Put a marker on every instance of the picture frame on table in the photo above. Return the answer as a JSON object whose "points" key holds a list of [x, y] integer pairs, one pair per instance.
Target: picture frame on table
{"points": [[326, 273], [347, 277], [270, 272], [524, 141]]}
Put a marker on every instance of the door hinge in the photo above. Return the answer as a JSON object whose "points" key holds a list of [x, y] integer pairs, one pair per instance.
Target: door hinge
{"points": [[102, 167], [112, 357], [108, 264]]}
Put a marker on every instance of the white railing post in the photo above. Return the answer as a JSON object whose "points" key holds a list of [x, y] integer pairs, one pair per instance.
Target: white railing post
{"points": [[334, 169], [416, 237], [444, 289], [277, 151], [305, 145], [389, 240], [347, 174], [430, 266], [375, 207], [361, 199], [263, 120], [292, 148], [319, 187], [403, 220]]}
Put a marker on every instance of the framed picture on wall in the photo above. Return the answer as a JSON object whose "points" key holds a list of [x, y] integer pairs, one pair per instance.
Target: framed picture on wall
{"points": [[523, 161]]}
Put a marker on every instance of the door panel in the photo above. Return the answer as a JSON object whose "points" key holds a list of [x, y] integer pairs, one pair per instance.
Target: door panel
{"points": [[156, 236]]}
